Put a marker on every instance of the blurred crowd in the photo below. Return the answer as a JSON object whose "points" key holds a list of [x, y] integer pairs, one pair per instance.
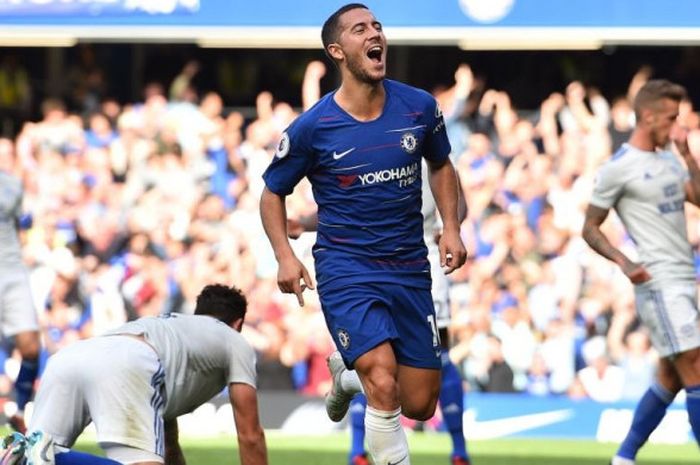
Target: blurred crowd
{"points": [[130, 209]]}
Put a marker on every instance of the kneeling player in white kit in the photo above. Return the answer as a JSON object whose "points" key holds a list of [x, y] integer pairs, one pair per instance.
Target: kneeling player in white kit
{"points": [[136, 380]]}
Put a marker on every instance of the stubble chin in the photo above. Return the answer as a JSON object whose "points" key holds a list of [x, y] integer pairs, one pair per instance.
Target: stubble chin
{"points": [[365, 75], [370, 77]]}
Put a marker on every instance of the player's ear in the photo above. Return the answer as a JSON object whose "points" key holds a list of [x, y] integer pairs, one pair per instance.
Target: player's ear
{"points": [[648, 116], [237, 324], [336, 52]]}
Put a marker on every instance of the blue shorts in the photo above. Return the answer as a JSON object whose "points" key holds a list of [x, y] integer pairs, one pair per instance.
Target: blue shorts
{"points": [[361, 316]]}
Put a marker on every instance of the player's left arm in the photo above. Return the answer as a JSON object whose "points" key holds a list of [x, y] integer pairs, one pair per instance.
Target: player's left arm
{"points": [[692, 186], [173, 452], [444, 186], [251, 437]]}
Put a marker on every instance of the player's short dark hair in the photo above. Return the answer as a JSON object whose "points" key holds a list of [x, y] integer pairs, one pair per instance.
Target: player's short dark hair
{"points": [[331, 28], [224, 303], [52, 104], [654, 91]]}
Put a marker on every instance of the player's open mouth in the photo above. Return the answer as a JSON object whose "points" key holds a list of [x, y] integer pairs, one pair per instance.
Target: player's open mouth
{"points": [[375, 53]]}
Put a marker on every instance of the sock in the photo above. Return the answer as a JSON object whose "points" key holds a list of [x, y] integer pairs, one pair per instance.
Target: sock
{"points": [[350, 382], [73, 457], [43, 360], [617, 460], [452, 406], [24, 384], [357, 425], [300, 374], [386, 440], [647, 416], [692, 404]]}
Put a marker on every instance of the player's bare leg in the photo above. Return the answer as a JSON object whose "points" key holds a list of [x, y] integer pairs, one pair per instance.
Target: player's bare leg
{"points": [[687, 365], [378, 371], [386, 439], [419, 401], [29, 346]]}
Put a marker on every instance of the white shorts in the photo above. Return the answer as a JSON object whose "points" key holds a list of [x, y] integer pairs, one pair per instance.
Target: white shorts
{"points": [[441, 287], [670, 312], [17, 313], [117, 382]]}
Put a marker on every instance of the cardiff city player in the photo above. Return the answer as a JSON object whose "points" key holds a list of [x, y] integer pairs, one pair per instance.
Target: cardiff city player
{"points": [[20, 325], [134, 381], [648, 186]]}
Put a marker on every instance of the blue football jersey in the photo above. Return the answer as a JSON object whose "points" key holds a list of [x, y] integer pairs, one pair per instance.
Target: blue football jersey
{"points": [[366, 180]]}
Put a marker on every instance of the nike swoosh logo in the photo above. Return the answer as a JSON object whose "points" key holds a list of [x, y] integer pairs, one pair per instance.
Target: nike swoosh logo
{"points": [[338, 156], [491, 429], [399, 461]]}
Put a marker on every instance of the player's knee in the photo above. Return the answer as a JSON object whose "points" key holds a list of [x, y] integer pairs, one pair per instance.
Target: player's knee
{"points": [[420, 404], [694, 361], [30, 353], [420, 412], [668, 378], [382, 387], [28, 345], [687, 364]]}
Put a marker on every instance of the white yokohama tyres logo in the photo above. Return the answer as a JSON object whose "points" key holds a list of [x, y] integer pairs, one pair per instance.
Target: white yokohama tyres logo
{"points": [[389, 175]]}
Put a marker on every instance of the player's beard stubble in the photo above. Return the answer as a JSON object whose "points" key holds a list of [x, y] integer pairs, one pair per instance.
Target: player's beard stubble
{"points": [[362, 74]]}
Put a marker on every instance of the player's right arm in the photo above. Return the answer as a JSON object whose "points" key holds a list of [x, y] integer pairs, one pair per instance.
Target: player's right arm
{"points": [[609, 187], [595, 238], [173, 451], [252, 449], [291, 271], [293, 159]]}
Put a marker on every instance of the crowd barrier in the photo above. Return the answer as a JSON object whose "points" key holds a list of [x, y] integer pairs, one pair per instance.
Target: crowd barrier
{"points": [[486, 416]]}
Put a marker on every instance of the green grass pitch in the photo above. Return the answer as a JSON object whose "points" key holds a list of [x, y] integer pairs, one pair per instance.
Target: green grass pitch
{"points": [[427, 449]]}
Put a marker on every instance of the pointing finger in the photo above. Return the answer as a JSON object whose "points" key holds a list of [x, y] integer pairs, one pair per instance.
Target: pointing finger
{"points": [[298, 290]]}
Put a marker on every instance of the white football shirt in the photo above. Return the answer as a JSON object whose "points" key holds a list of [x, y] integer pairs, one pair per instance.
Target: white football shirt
{"points": [[647, 190], [200, 356]]}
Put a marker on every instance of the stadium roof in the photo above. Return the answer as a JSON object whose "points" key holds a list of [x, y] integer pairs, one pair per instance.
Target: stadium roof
{"points": [[471, 24]]}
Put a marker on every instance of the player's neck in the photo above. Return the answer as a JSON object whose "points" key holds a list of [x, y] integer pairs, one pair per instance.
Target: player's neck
{"points": [[640, 140], [362, 101]]}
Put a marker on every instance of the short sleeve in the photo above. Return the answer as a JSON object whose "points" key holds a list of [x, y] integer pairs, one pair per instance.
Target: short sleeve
{"points": [[293, 160], [436, 147], [607, 187], [242, 362]]}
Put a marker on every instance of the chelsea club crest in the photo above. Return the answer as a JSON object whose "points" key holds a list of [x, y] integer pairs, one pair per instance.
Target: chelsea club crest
{"points": [[409, 142], [344, 338]]}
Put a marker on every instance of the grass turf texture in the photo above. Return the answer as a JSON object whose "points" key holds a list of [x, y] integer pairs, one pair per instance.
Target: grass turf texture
{"points": [[427, 449]]}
